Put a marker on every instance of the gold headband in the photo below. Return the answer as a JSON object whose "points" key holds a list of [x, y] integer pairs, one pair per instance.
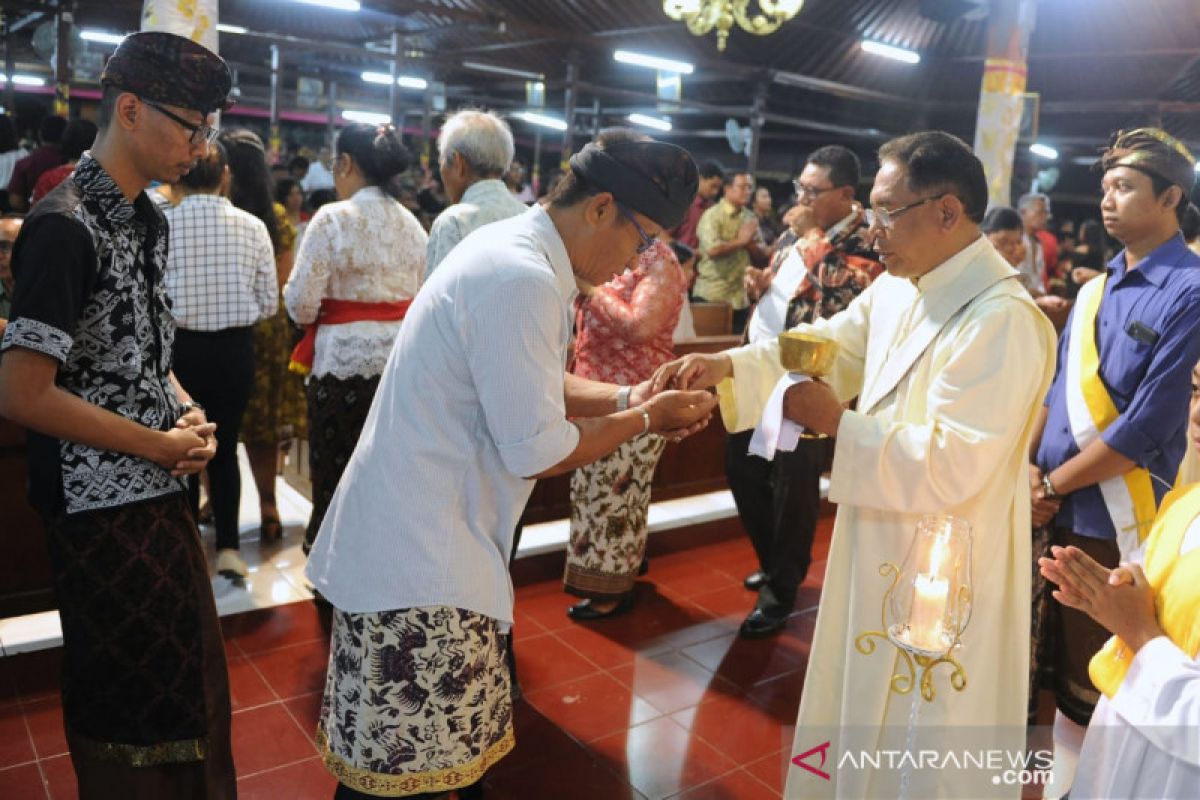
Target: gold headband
{"points": [[1159, 134]]}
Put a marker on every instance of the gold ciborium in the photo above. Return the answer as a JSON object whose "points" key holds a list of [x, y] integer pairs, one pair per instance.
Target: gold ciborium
{"points": [[807, 354]]}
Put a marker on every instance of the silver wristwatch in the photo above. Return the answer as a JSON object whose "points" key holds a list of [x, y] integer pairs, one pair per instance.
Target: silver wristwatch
{"points": [[1048, 487], [623, 398]]}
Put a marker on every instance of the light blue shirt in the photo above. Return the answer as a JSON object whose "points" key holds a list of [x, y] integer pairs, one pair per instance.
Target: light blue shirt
{"points": [[483, 202], [470, 405]]}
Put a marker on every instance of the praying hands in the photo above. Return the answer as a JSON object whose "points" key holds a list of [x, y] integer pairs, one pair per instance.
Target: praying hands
{"points": [[1121, 599]]}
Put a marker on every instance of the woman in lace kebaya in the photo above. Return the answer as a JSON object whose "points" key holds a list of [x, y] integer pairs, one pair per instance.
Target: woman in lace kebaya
{"points": [[359, 266], [624, 331]]}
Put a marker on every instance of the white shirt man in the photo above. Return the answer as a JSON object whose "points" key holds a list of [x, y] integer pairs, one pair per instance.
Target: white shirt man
{"points": [[479, 421]]}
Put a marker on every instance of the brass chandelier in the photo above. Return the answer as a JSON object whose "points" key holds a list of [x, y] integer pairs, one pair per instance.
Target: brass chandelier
{"points": [[701, 16]]}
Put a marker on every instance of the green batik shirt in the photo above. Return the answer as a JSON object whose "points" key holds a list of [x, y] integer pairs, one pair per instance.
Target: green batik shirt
{"points": [[719, 280]]}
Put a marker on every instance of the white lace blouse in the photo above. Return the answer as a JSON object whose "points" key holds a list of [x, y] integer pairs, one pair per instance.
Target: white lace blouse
{"points": [[367, 249]]}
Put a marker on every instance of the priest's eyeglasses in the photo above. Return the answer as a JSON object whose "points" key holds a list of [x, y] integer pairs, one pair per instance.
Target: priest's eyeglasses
{"points": [[887, 217], [647, 240], [205, 133]]}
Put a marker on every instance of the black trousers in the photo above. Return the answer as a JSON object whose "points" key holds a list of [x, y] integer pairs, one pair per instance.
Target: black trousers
{"points": [[779, 502], [740, 317], [217, 370]]}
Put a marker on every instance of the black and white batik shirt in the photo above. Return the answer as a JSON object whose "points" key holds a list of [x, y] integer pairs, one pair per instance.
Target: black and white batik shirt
{"points": [[89, 293]]}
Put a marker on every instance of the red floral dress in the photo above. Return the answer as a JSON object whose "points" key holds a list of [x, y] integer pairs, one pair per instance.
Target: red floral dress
{"points": [[623, 329], [623, 334]]}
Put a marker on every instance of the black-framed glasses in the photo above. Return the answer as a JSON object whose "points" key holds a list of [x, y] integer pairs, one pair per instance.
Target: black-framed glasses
{"points": [[809, 192], [647, 240], [887, 217], [204, 132], [5, 246]]}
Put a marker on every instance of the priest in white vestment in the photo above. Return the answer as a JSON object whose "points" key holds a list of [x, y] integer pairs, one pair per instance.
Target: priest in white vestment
{"points": [[949, 358]]}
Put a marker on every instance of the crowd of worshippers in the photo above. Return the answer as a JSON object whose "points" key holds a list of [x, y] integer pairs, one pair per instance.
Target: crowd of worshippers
{"points": [[415, 336]]}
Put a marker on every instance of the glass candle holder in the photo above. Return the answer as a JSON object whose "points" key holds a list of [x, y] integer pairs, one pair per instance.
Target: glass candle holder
{"points": [[930, 604]]}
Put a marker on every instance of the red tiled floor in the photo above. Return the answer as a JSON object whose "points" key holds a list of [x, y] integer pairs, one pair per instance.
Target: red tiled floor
{"points": [[661, 758], [591, 707], [595, 645], [771, 769], [738, 729], [36, 675], [731, 599], [671, 682], [246, 687], [660, 623], [779, 696], [538, 741], [662, 702], [294, 670], [46, 727], [306, 710], [746, 662], [543, 661], [306, 780], [15, 745], [60, 778], [8, 687], [575, 775], [525, 626], [736, 785], [688, 578], [24, 782], [280, 626], [547, 606], [267, 737]]}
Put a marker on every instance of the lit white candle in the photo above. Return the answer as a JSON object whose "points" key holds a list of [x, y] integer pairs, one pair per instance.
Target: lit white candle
{"points": [[925, 628]]}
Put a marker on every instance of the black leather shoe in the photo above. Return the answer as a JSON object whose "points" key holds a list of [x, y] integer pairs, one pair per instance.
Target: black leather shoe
{"points": [[644, 567], [584, 611], [755, 580], [762, 623]]}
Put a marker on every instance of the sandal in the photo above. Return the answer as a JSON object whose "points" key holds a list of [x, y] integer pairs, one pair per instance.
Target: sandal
{"points": [[271, 529]]}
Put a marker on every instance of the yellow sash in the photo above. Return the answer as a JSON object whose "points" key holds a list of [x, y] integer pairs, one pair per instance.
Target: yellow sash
{"points": [[1129, 498], [1176, 582]]}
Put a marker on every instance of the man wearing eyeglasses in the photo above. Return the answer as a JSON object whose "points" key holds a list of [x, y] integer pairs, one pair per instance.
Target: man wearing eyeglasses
{"points": [[949, 358], [86, 367], [728, 236], [473, 405], [811, 276]]}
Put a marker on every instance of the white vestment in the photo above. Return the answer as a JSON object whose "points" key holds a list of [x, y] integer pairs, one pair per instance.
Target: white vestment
{"points": [[948, 373]]}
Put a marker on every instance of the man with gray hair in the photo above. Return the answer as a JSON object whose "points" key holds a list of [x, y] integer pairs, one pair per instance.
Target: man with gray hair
{"points": [[475, 148], [1035, 211]]}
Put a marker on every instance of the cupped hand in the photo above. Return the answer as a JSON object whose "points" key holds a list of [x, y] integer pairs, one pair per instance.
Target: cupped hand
{"points": [[676, 414]]}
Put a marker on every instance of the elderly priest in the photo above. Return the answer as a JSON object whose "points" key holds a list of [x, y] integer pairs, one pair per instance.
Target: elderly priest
{"points": [[949, 358]]}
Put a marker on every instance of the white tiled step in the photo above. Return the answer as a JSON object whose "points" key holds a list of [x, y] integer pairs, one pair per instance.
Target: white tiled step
{"points": [[277, 570]]}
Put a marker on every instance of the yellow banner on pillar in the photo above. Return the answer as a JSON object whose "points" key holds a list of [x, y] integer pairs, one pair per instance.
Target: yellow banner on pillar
{"points": [[1001, 100], [195, 19]]}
